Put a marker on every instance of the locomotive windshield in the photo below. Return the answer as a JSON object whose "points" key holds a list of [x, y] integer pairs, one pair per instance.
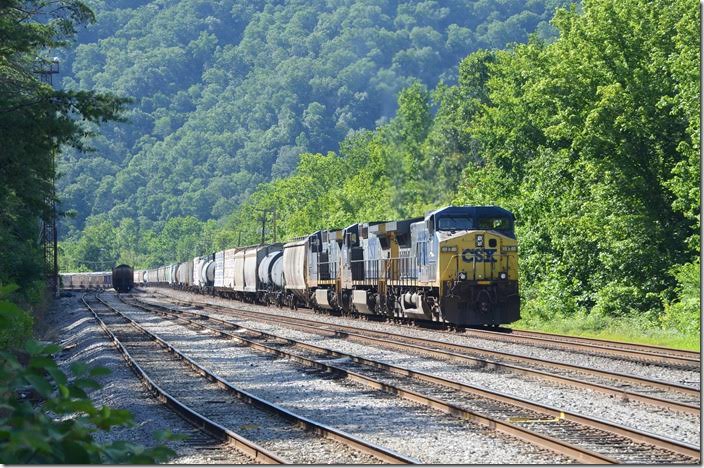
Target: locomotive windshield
{"points": [[495, 223], [464, 223], [455, 223]]}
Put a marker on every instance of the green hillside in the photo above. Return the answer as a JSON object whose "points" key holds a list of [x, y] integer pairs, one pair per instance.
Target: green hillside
{"points": [[227, 94], [592, 140]]}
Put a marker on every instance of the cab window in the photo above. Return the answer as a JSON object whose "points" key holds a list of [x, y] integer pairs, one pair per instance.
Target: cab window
{"points": [[495, 223], [454, 223]]}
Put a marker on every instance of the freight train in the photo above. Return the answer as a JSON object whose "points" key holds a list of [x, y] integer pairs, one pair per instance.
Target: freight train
{"points": [[85, 280], [121, 278], [457, 265]]}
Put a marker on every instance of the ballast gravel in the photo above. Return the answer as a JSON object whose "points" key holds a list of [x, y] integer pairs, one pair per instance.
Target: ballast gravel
{"points": [[584, 401], [690, 378], [407, 428], [272, 432], [71, 326]]}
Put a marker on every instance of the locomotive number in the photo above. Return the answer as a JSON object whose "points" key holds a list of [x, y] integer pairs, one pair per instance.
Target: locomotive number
{"points": [[479, 255]]}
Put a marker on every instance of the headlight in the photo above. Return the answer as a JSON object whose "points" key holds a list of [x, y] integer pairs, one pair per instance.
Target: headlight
{"points": [[462, 276], [503, 275], [480, 240]]}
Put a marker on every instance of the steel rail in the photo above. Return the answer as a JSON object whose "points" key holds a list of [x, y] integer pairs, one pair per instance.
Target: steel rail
{"points": [[382, 453], [339, 331], [198, 420], [655, 349], [595, 423], [534, 438], [603, 347], [650, 354]]}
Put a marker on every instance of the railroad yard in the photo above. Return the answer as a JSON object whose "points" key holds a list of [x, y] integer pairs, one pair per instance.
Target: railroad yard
{"points": [[253, 384]]}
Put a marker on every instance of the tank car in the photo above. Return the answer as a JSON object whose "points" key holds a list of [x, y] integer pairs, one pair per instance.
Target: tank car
{"points": [[270, 275], [237, 273], [122, 278], [203, 274]]}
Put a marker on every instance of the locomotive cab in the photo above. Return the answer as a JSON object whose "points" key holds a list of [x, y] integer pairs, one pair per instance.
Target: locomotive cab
{"points": [[468, 256]]}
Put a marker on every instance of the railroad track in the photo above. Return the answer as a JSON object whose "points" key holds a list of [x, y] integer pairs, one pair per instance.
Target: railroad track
{"points": [[632, 352], [666, 395], [205, 428], [585, 439], [669, 357], [265, 431]]}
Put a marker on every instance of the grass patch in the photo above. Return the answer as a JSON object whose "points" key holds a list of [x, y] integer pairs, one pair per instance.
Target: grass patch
{"points": [[629, 329]]}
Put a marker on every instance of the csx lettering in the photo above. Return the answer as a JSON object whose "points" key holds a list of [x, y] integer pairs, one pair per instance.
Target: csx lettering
{"points": [[479, 255]]}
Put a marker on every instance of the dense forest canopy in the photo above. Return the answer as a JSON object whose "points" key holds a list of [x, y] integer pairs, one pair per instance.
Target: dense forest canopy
{"points": [[228, 93], [590, 138]]}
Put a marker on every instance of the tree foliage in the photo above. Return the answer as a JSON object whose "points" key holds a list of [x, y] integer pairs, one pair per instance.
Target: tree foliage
{"points": [[229, 93], [592, 140], [36, 121], [588, 139]]}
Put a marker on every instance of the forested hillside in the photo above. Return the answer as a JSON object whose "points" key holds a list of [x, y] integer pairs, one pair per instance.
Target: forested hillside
{"points": [[591, 139], [229, 93]]}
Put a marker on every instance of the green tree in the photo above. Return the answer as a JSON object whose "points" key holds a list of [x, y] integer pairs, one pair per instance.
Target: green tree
{"points": [[582, 138], [36, 122]]}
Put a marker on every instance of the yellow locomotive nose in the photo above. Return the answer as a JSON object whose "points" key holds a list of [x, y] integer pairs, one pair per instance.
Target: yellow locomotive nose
{"points": [[479, 273], [479, 255]]}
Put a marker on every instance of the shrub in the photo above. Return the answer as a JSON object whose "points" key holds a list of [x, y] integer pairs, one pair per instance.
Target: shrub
{"points": [[16, 326], [683, 313]]}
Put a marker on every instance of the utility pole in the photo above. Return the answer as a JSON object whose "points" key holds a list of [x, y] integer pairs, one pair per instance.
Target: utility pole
{"points": [[46, 69], [273, 222], [263, 225], [263, 220]]}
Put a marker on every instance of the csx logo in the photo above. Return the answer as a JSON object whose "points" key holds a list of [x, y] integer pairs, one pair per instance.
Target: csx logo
{"points": [[479, 255]]}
